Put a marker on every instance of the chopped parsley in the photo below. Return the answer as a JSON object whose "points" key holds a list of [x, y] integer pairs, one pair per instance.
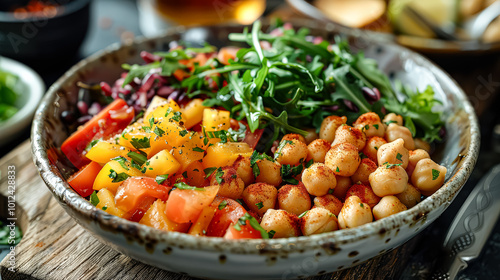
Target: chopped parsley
{"points": [[140, 159], [161, 178], [288, 172], [218, 176], [376, 126], [94, 199], [209, 171], [280, 148], [253, 223], [117, 177], [399, 157], [330, 191], [337, 170], [140, 143], [169, 110], [184, 186], [222, 205], [183, 133], [177, 116], [254, 158], [104, 208], [435, 174], [158, 131], [366, 127], [259, 205], [198, 149], [122, 161], [303, 214], [389, 166]]}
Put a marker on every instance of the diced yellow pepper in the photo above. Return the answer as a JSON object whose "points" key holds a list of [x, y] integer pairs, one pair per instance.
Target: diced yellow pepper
{"points": [[189, 151], [224, 154], [215, 120], [193, 113], [156, 217], [156, 102], [103, 179], [172, 134], [160, 164], [199, 228], [162, 112], [103, 152], [107, 203], [134, 131]]}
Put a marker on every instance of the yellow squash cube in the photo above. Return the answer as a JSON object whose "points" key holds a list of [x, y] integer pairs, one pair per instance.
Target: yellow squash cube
{"points": [[189, 151], [193, 113], [162, 112], [216, 120], [107, 203], [104, 178], [224, 154], [103, 151], [156, 217], [160, 164]]}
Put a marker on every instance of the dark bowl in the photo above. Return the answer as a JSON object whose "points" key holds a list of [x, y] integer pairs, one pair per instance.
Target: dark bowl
{"points": [[43, 39]]}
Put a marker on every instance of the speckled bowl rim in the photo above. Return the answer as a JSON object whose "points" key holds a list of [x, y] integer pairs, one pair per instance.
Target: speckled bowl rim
{"points": [[444, 196]]}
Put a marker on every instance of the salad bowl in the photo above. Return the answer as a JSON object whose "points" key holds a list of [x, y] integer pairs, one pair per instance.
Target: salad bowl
{"points": [[285, 258]]}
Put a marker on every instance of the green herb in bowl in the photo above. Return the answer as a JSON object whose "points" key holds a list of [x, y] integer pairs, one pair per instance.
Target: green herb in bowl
{"points": [[8, 94]]}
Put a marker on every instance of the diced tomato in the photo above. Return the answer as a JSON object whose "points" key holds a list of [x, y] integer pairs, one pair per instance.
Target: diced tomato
{"points": [[227, 214], [252, 139], [140, 209], [245, 231], [83, 180], [134, 190], [227, 53], [184, 206], [112, 119]]}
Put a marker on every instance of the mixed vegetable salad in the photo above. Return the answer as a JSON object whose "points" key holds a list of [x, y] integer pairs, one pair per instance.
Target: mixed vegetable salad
{"points": [[291, 136]]}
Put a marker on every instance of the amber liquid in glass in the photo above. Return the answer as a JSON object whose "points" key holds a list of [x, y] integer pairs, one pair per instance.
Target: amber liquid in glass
{"points": [[206, 12]]}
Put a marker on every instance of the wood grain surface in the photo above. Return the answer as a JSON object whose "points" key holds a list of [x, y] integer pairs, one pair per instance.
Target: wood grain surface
{"points": [[56, 247]]}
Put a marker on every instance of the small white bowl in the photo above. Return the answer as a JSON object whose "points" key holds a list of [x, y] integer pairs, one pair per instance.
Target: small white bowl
{"points": [[30, 90]]}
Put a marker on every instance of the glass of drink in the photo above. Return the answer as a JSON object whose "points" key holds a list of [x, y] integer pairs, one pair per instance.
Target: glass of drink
{"points": [[156, 15]]}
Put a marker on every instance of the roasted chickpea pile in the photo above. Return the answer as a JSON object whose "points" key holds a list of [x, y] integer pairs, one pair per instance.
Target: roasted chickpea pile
{"points": [[347, 176]]}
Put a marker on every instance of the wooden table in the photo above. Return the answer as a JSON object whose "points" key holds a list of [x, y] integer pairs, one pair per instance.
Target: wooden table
{"points": [[54, 246]]}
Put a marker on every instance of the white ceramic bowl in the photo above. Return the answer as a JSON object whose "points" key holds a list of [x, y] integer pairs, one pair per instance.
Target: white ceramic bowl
{"points": [[31, 89], [256, 259]]}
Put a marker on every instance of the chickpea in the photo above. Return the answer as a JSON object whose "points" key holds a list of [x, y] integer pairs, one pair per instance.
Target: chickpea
{"points": [[389, 180], [428, 176], [311, 135], [421, 144], [244, 169], [343, 184], [354, 213], [365, 168], [343, 159], [283, 223], [294, 199], [395, 131], [329, 126], [371, 148], [293, 152], [269, 172], [388, 205], [349, 134], [393, 118], [317, 149], [260, 197], [364, 192], [294, 136], [370, 124], [319, 179], [329, 202], [414, 157], [231, 185], [393, 153], [318, 220], [410, 197]]}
